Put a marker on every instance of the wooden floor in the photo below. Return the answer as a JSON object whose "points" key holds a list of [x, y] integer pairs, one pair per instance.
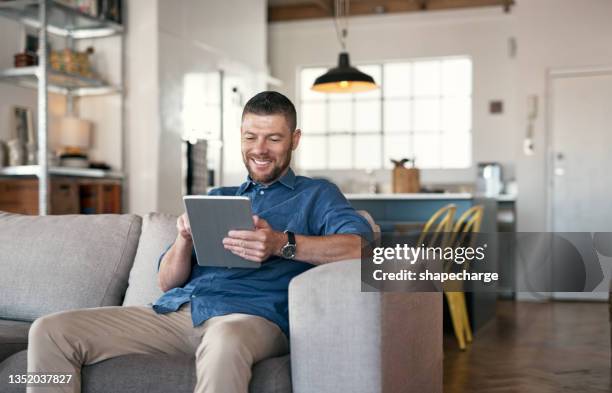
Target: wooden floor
{"points": [[552, 347]]}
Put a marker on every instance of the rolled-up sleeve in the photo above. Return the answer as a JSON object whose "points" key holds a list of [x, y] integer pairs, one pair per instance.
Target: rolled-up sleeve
{"points": [[162, 256], [333, 214]]}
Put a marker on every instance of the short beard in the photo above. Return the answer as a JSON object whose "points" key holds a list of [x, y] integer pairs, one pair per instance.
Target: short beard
{"points": [[277, 171]]}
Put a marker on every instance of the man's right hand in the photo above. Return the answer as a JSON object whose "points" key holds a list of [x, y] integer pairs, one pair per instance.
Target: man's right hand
{"points": [[175, 267], [183, 227]]}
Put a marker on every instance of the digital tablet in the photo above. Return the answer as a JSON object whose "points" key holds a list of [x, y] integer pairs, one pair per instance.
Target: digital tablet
{"points": [[211, 218]]}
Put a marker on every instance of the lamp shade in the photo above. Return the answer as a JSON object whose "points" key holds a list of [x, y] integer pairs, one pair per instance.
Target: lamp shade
{"points": [[344, 79], [75, 132]]}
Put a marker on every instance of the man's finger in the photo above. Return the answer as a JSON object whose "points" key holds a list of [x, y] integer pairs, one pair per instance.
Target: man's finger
{"points": [[252, 255], [245, 235], [251, 258], [253, 245]]}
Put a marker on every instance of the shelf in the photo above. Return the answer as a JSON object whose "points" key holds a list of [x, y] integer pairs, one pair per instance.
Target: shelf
{"points": [[33, 170], [58, 82], [62, 20]]}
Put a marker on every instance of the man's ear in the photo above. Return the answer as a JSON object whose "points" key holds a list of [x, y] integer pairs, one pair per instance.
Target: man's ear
{"points": [[295, 138]]}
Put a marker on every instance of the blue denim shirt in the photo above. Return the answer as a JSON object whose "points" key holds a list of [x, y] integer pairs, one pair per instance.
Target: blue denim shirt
{"points": [[296, 203]]}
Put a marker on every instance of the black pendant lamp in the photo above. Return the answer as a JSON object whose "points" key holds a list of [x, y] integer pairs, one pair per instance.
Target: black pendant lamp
{"points": [[343, 78]]}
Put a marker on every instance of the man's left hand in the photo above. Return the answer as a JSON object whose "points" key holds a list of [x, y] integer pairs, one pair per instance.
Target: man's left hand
{"points": [[256, 245]]}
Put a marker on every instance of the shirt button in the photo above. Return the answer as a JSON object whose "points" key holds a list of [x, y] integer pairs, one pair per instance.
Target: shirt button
{"points": [[193, 296], [261, 192]]}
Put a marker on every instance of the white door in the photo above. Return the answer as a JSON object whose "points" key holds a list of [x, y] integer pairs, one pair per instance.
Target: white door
{"points": [[581, 162]]}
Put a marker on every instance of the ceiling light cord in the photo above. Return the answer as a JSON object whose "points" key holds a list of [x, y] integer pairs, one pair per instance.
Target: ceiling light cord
{"points": [[341, 9]]}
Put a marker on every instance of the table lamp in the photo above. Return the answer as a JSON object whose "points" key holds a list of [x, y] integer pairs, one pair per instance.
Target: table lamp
{"points": [[75, 138]]}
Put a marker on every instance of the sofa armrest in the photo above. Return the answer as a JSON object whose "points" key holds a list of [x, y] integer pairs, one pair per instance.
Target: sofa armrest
{"points": [[346, 340]]}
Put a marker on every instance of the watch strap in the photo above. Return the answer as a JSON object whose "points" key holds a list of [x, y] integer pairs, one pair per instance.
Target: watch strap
{"points": [[290, 238]]}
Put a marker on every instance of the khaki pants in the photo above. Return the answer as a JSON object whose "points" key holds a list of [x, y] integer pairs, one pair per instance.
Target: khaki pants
{"points": [[225, 347]]}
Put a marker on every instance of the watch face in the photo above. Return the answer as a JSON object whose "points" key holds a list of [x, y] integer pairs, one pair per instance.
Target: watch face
{"points": [[289, 251]]}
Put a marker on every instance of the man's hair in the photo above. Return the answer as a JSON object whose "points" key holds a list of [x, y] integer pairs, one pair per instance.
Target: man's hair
{"points": [[272, 103]]}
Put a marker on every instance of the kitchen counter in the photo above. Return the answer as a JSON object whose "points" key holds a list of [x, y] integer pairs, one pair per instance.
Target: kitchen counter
{"points": [[413, 196], [425, 196]]}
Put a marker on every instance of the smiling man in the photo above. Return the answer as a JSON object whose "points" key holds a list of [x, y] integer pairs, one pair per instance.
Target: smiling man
{"points": [[230, 318]]}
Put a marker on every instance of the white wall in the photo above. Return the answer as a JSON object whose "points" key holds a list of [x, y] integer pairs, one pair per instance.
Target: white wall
{"points": [[141, 106], [552, 34], [549, 34], [165, 43]]}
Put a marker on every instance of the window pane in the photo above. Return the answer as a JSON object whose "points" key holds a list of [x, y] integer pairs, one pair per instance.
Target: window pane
{"points": [[367, 116], [426, 115], [339, 96], [313, 117], [457, 150], [340, 116], [397, 80], [375, 72], [397, 146], [340, 154], [308, 76], [427, 78], [312, 152], [367, 151], [398, 115], [457, 77], [427, 150], [457, 114]]}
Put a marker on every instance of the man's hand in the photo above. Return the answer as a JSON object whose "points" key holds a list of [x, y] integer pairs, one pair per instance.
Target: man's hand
{"points": [[183, 227], [257, 245], [175, 267]]}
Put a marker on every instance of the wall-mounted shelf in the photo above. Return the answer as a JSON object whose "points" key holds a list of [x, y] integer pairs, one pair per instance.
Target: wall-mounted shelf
{"points": [[62, 20], [58, 82]]}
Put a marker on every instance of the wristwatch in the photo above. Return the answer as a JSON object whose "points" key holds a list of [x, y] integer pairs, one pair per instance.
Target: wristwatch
{"points": [[288, 250]]}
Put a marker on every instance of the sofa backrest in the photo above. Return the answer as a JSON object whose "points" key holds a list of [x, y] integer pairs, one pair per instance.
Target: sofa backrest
{"points": [[158, 232], [56, 263]]}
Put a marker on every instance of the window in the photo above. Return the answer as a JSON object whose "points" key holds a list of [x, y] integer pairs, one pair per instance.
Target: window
{"points": [[423, 110]]}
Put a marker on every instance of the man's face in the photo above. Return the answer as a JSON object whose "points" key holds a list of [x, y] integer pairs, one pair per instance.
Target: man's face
{"points": [[267, 143]]}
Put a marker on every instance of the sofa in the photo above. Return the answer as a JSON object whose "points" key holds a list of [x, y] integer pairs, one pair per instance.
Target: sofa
{"points": [[342, 340]]}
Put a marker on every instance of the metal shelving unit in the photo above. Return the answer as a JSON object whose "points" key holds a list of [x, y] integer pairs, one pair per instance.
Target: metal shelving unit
{"points": [[58, 82], [50, 16]]}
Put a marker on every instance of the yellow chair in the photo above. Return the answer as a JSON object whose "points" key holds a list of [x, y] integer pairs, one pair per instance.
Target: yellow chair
{"points": [[442, 223], [469, 222]]}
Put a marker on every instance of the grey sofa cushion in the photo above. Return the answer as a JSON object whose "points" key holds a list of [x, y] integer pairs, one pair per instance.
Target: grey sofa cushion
{"points": [[158, 231], [152, 374], [13, 337], [55, 263]]}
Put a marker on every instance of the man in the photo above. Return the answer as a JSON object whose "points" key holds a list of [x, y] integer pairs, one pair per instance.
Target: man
{"points": [[229, 318]]}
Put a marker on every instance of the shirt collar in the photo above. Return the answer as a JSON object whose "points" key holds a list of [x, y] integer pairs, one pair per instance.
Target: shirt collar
{"points": [[287, 180]]}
